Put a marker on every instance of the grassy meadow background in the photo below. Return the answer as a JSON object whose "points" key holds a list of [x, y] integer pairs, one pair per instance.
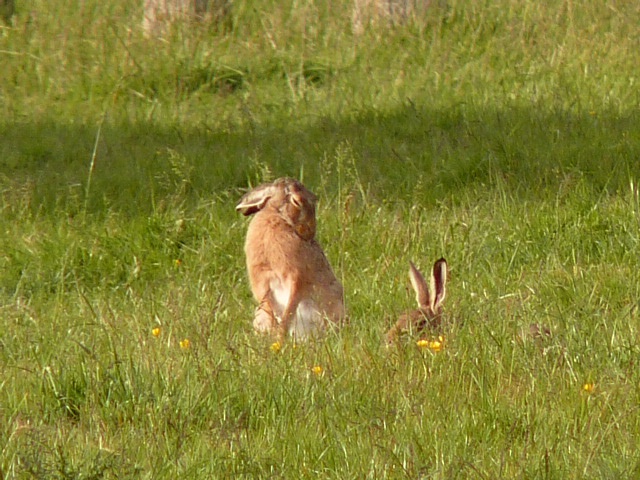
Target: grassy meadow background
{"points": [[503, 135]]}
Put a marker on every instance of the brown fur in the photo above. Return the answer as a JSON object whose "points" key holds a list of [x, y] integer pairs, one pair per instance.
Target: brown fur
{"points": [[281, 250]]}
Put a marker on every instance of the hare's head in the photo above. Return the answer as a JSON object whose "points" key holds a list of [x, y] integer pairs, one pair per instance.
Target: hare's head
{"points": [[430, 295], [287, 197]]}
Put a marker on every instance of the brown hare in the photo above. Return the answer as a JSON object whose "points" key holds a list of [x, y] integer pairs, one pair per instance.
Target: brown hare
{"points": [[429, 296], [289, 273]]}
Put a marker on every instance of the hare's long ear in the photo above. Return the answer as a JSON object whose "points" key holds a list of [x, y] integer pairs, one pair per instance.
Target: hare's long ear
{"points": [[420, 286], [298, 194], [255, 200], [439, 280]]}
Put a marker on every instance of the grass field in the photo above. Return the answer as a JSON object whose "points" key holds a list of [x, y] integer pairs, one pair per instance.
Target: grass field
{"points": [[503, 135]]}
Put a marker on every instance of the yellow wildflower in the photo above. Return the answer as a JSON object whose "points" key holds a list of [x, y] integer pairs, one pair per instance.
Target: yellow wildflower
{"points": [[317, 370], [437, 345], [588, 388], [156, 332], [433, 345], [275, 347], [185, 344]]}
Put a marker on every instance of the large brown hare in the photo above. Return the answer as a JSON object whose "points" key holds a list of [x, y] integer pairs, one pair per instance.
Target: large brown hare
{"points": [[290, 276]]}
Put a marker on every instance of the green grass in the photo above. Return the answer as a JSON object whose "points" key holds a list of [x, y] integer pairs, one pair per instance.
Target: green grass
{"points": [[502, 135]]}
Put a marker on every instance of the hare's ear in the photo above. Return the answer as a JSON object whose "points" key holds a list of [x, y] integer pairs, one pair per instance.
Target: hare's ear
{"points": [[439, 281], [298, 194], [420, 286], [255, 200]]}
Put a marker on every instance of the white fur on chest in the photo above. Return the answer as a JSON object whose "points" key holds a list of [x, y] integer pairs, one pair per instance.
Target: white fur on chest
{"points": [[307, 319]]}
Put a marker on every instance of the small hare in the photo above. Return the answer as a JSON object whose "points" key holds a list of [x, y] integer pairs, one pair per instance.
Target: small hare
{"points": [[429, 296], [290, 276]]}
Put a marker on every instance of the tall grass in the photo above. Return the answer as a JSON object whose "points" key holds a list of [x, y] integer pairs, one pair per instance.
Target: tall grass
{"points": [[501, 135]]}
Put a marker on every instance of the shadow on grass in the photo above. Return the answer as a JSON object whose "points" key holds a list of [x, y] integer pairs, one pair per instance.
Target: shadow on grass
{"points": [[413, 154]]}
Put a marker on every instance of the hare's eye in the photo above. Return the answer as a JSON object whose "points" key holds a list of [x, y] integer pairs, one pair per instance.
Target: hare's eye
{"points": [[296, 201]]}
